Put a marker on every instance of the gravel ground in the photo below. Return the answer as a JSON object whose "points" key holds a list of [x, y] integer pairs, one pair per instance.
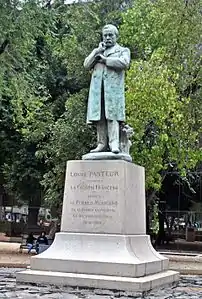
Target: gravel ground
{"points": [[189, 287]]}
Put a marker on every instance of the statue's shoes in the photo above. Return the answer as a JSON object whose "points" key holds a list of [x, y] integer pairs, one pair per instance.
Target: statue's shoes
{"points": [[99, 148], [115, 150]]}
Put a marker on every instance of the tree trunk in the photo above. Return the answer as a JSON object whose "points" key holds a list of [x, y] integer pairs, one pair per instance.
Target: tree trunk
{"points": [[161, 232], [150, 194], [1, 206], [147, 220], [170, 226], [33, 209], [33, 213]]}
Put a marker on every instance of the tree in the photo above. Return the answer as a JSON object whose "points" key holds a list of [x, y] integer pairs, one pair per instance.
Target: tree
{"points": [[23, 99], [43, 47], [164, 87]]}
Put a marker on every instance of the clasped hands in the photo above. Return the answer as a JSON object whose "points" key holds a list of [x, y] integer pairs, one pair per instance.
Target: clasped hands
{"points": [[100, 57]]}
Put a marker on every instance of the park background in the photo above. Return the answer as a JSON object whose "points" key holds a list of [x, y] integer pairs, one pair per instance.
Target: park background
{"points": [[43, 97]]}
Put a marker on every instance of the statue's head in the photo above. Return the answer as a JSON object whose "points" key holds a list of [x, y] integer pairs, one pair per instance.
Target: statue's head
{"points": [[110, 35]]}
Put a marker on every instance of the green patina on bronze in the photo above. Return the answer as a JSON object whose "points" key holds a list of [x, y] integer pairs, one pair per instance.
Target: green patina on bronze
{"points": [[106, 102]]}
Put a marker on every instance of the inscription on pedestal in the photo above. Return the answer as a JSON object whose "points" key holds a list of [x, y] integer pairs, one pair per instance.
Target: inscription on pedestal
{"points": [[93, 199]]}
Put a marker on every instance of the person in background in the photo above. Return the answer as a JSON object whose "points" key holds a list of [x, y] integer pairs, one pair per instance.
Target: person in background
{"points": [[42, 239], [30, 242]]}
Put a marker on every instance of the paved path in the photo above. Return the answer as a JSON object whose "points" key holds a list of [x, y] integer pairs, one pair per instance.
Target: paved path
{"points": [[189, 287]]}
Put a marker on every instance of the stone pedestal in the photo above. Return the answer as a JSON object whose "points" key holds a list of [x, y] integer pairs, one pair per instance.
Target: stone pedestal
{"points": [[103, 241]]}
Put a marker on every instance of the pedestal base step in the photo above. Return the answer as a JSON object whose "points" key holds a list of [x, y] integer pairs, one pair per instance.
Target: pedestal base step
{"points": [[129, 284]]}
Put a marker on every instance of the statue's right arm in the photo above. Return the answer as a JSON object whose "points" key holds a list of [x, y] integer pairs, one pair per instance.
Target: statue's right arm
{"points": [[90, 60]]}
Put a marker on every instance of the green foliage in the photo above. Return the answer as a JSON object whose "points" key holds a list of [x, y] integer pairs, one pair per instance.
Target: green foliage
{"points": [[23, 99], [164, 85], [163, 124], [70, 139]]}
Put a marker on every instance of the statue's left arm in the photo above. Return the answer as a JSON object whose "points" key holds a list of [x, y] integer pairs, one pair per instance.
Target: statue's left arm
{"points": [[120, 63]]}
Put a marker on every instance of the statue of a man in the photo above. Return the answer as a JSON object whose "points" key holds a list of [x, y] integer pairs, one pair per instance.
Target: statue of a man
{"points": [[106, 102]]}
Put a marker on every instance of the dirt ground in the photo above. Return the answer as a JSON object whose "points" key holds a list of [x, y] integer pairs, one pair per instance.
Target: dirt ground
{"points": [[22, 260], [14, 260], [10, 256]]}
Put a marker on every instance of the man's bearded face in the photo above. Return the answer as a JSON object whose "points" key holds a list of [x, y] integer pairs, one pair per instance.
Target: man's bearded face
{"points": [[109, 38]]}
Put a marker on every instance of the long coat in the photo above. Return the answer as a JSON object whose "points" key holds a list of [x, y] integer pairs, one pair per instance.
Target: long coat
{"points": [[110, 77]]}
